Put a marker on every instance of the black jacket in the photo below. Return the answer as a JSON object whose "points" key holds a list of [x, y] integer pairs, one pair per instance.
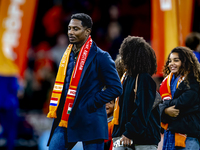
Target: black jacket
{"points": [[187, 100], [137, 120]]}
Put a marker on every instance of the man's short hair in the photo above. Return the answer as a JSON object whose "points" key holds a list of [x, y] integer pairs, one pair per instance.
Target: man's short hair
{"points": [[193, 40], [86, 19]]}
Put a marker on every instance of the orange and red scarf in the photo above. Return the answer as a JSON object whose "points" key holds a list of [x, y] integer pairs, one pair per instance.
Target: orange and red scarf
{"points": [[59, 83], [165, 93]]}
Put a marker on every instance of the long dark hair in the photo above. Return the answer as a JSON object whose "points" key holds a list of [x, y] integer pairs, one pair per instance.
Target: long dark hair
{"points": [[137, 56]]}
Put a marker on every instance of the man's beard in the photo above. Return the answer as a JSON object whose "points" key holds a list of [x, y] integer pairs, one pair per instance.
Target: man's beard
{"points": [[73, 42]]}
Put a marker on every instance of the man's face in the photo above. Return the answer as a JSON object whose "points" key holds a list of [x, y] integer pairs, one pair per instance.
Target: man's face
{"points": [[76, 32]]}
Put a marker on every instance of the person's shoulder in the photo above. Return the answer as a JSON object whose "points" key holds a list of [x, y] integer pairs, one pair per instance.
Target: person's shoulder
{"points": [[97, 48], [192, 79], [102, 56], [142, 76], [146, 78], [101, 52]]}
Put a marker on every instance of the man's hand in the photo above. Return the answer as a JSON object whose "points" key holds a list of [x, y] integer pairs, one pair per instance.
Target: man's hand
{"points": [[171, 111], [125, 141]]}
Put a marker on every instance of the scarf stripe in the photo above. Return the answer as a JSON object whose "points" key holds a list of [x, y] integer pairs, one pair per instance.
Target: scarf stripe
{"points": [[59, 83]]}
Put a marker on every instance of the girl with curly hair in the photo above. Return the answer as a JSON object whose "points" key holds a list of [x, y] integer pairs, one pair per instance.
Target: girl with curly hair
{"points": [[180, 91], [136, 122]]}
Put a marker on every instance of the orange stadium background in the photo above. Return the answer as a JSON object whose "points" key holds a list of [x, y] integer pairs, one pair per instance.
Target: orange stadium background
{"points": [[170, 24], [17, 21]]}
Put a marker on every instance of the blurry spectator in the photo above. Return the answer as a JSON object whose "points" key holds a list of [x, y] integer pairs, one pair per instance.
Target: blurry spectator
{"points": [[193, 42], [114, 39], [39, 81], [119, 66], [110, 106], [58, 50], [109, 110], [52, 21], [108, 30], [114, 13]]}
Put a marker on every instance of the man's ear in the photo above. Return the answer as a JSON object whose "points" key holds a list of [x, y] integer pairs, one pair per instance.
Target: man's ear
{"points": [[88, 31]]}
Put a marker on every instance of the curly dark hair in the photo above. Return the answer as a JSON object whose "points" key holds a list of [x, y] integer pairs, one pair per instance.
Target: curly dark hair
{"points": [[189, 63], [119, 66], [137, 56]]}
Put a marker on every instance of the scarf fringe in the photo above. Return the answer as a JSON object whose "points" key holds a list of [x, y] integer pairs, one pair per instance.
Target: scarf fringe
{"points": [[180, 140], [52, 115], [63, 123]]}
